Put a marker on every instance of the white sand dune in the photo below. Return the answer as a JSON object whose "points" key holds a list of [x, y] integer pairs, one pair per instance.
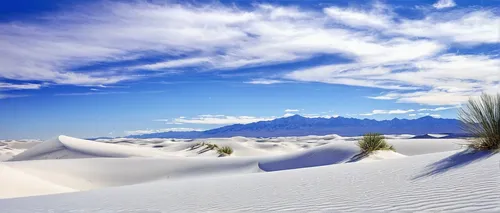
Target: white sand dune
{"points": [[447, 181], [8, 149], [299, 174], [64, 147], [424, 146], [16, 183], [93, 173]]}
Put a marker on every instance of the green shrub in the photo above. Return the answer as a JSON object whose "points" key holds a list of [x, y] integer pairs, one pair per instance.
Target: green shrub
{"points": [[212, 146], [481, 118], [372, 142], [225, 150]]}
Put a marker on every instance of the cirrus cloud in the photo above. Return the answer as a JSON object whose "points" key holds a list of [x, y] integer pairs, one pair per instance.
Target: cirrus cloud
{"points": [[409, 57]]}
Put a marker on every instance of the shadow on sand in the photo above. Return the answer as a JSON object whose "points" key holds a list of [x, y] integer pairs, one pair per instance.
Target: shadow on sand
{"points": [[455, 161], [357, 157]]}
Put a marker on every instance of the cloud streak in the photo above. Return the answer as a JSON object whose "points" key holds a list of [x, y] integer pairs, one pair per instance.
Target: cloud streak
{"points": [[444, 4], [411, 111], [216, 120], [150, 131], [408, 57]]}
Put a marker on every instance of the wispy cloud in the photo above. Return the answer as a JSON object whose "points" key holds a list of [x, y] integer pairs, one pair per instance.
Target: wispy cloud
{"points": [[388, 51], [6, 87], [387, 112], [150, 131], [9, 86], [264, 81], [175, 63], [292, 110], [89, 93], [411, 111], [320, 115], [436, 115], [5, 96], [440, 4], [216, 119], [437, 109]]}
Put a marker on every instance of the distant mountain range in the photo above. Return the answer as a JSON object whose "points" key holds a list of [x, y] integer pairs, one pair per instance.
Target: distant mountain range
{"points": [[301, 126]]}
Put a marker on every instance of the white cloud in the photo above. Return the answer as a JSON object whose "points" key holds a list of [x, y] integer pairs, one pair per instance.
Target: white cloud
{"points": [[9, 86], [90, 93], [440, 4], [175, 63], [436, 115], [320, 115], [386, 50], [387, 112], [412, 115], [437, 109], [399, 111], [359, 18], [432, 97], [467, 27], [217, 119], [150, 131], [443, 80], [264, 81], [5, 96], [292, 110]]}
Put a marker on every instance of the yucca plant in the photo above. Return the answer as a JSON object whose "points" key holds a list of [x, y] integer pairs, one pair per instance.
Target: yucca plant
{"points": [[481, 118], [372, 142], [225, 150]]}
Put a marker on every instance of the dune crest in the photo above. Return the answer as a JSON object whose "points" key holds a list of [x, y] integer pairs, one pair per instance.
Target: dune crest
{"points": [[64, 147]]}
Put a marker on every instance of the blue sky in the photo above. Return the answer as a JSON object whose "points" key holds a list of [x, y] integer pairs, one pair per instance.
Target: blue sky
{"points": [[112, 68]]}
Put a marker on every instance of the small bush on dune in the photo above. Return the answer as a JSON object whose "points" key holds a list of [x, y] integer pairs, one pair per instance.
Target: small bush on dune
{"points": [[372, 142], [481, 118], [212, 146], [196, 146], [225, 150]]}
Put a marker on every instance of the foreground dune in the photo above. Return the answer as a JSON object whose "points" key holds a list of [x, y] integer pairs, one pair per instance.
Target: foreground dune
{"points": [[77, 165], [313, 173], [447, 181]]}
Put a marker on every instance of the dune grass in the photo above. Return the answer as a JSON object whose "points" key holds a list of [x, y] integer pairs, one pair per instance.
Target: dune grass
{"points": [[225, 150], [372, 142], [481, 118], [212, 146]]}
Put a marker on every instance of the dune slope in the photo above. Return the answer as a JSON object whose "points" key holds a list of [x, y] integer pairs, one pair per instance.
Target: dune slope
{"points": [[448, 181], [100, 172], [64, 147]]}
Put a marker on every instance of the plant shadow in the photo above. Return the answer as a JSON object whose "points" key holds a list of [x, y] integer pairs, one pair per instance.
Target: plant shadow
{"points": [[455, 161], [206, 149], [357, 157]]}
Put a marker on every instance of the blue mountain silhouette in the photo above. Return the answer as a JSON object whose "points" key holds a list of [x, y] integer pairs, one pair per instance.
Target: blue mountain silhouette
{"points": [[301, 126]]}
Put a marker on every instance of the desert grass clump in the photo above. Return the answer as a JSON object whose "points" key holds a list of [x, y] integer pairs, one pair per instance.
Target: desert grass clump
{"points": [[212, 146], [373, 142], [197, 145], [480, 117], [225, 150]]}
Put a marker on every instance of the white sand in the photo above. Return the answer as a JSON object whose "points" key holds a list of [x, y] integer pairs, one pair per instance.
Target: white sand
{"points": [[263, 175], [8, 148]]}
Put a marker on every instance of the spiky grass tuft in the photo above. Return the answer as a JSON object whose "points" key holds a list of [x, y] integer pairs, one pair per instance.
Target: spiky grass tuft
{"points": [[481, 118], [372, 142], [225, 150]]}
